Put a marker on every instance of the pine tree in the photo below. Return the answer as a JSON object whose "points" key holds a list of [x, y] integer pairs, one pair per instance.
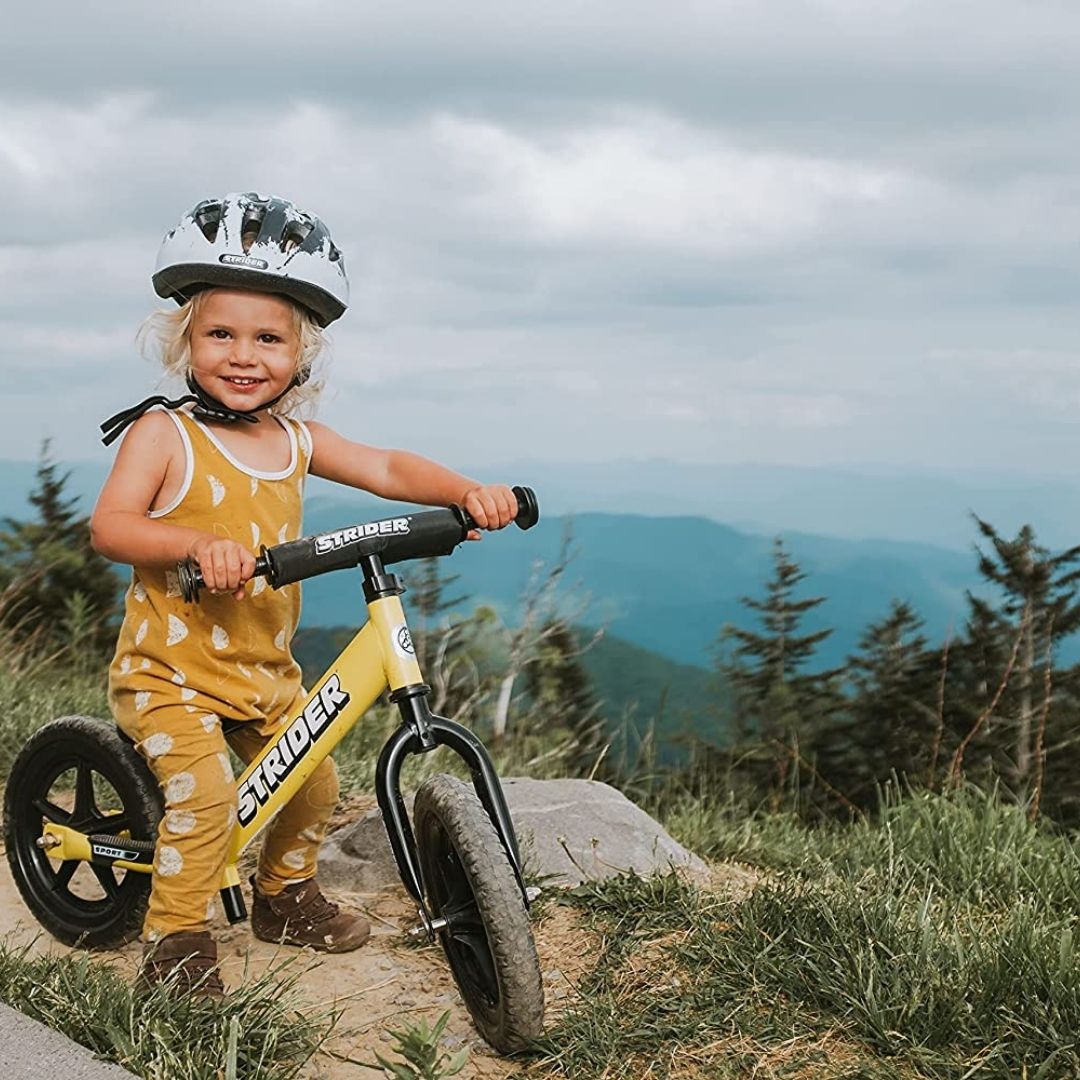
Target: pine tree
{"points": [[447, 647], [889, 722], [1038, 607], [776, 701], [977, 665], [57, 591]]}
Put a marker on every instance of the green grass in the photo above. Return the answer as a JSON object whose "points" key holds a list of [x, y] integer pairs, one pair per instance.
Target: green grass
{"points": [[261, 1030], [937, 943], [34, 692], [937, 940]]}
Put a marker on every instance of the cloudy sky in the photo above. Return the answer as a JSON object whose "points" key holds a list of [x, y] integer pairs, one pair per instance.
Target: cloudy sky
{"points": [[831, 232]]}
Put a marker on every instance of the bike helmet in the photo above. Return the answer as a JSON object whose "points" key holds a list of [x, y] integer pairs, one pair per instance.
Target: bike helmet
{"points": [[251, 242]]}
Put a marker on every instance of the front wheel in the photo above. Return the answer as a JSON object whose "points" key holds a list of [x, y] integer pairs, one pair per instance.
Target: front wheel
{"points": [[487, 938], [80, 772]]}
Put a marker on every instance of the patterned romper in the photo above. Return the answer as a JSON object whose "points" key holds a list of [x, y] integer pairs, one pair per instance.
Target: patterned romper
{"points": [[181, 668]]}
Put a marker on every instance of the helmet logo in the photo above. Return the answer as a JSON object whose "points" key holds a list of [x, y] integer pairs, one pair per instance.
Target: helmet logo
{"points": [[244, 260]]}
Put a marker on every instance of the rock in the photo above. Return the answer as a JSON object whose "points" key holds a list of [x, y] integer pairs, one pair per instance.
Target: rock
{"points": [[358, 856], [569, 831], [572, 831]]}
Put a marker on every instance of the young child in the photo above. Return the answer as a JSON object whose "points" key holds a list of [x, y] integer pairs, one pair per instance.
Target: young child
{"points": [[212, 476]]}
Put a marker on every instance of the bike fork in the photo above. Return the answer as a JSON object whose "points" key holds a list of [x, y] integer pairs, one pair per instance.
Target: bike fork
{"points": [[420, 733]]}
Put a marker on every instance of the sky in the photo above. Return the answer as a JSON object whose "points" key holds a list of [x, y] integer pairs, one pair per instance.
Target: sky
{"points": [[829, 233]]}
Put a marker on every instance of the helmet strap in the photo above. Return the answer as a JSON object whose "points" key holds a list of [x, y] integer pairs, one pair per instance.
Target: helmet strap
{"points": [[204, 406]]}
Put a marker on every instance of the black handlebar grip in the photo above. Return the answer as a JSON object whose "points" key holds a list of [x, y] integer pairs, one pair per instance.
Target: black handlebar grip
{"points": [[528, 509], [190, 580]]}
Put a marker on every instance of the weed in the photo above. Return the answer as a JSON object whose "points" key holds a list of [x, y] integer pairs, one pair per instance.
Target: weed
{"points": [[419, 1046]]}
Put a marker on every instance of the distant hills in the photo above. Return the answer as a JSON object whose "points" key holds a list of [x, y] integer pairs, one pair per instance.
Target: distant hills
{"points": [[669, 584], [856, 503], [667, 580]]}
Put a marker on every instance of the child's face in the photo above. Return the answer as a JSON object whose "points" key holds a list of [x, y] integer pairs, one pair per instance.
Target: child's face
{"points": [[244, 347]]}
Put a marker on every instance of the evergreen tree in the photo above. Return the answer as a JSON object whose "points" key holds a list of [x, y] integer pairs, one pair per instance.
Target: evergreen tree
{"points": [[1038, 607], [977, 665], [888, 725], [776, 701], [57, 591]]}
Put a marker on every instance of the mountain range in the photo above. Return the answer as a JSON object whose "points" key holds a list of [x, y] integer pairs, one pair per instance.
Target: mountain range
{"points": [[859, 502], [670, 584], [668, 580]]}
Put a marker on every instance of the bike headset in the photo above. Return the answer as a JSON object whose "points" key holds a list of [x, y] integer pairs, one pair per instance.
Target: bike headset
{"points": [[249, 242]]}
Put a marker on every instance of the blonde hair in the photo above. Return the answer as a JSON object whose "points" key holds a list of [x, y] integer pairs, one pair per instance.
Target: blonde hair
{"points": [[166, 336]]}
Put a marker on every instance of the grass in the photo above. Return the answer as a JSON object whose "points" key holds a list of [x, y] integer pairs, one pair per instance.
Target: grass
{"points": [[34, 692], [261, 1030], [937, 943]]}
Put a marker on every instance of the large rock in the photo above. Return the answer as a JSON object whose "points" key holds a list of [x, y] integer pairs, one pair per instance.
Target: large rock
{"points": [[569, 831], [582, 830]]}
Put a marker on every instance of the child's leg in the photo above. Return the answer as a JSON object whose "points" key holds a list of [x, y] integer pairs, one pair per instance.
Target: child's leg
{"points": [[187, 753], [291, 846]]}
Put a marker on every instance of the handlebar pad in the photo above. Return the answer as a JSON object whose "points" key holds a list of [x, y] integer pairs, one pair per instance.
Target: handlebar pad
{"points": [[412, 536]]}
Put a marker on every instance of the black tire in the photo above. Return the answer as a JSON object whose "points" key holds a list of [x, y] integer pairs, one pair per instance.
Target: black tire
{"points": [[100, 757], [489, 942]]}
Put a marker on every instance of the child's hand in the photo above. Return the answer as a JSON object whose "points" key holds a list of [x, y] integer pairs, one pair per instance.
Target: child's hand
{"points": [[491, 506], [225, 564]]}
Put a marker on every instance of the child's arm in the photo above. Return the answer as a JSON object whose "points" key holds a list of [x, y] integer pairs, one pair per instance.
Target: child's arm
{"points": [[407, 477], [121, 531]]}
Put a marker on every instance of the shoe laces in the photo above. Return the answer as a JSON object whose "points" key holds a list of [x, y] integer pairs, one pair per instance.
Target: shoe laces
{"points": [[319, 910]]}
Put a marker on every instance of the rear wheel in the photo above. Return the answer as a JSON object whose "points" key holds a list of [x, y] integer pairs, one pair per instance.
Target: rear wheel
{"points": [[80, 772], [487, 939]]}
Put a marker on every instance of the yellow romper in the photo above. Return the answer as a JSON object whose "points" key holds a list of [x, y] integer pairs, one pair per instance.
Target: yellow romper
{"points": [[181, 668]]}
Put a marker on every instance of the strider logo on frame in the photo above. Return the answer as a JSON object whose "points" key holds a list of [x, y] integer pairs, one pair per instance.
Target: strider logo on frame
{"points": [[291, 747], [331, 541]]}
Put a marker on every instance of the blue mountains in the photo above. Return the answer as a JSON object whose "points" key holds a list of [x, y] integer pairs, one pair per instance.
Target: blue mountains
{"points": [[665, 550]]}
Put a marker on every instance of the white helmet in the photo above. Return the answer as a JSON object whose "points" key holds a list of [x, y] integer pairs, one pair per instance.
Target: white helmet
{"points": [[250, 242]]}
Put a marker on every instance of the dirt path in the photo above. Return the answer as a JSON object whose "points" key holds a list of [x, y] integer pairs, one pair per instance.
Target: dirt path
{"points": [[384, 984]]}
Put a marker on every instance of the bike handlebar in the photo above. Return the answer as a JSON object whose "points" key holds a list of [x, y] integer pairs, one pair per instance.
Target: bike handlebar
{"points": [[410, 536]]}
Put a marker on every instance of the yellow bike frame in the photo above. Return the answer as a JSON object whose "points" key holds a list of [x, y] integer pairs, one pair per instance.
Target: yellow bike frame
{"points": [[381, 655]]}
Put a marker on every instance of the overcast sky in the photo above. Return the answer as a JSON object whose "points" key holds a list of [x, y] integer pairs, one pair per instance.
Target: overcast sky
{"points": [[832, 232]]}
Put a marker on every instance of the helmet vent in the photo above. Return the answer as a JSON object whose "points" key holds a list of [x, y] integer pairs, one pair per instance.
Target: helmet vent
{"points": [[253, 219], [296, 232], [207, 216]]}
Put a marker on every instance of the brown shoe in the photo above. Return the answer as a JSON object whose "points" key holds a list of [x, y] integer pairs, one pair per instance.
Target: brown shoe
{"points": [[186, 960], [301, 915]]}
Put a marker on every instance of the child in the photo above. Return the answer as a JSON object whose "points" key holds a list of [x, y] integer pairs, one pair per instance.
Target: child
{"points": [[211, 476]]}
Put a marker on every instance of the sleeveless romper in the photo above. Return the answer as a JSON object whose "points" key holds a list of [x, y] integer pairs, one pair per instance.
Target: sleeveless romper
{"points": [[181, 668]]}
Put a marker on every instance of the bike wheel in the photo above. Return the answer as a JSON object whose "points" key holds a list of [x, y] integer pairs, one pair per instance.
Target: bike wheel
{"points": [[487, 940], [80, 772]]}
